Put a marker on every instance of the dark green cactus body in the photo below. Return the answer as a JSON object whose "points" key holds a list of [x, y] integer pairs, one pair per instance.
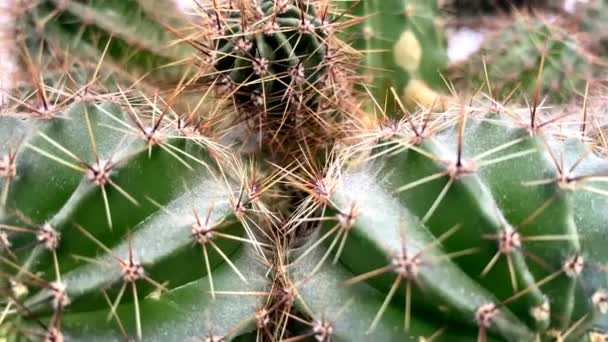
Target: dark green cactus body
{"points": [[275, 60], [287, 55]]}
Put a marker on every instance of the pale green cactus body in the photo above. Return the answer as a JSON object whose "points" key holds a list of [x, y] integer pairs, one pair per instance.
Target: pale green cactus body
{"points": [[122, 219]]}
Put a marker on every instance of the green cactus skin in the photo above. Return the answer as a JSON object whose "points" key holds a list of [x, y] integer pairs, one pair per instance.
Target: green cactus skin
{"points": [[403, 45], [513, 57], [459, 199], [138, 45], [108, 202]]}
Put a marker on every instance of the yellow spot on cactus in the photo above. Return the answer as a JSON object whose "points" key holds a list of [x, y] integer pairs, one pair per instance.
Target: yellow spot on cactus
{"points": [[410, 9], [418, 93], [407, 51], [597, 337]]}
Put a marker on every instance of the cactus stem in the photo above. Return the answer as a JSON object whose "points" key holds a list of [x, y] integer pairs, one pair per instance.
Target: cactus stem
{"points": [[407, 268]]}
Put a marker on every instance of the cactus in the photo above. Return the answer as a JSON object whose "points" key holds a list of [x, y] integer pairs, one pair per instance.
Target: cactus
{"points": [[125, 218], [481, 223], [279, 62], [127, 35], [531, 54], [404, 49], [104, 208]]}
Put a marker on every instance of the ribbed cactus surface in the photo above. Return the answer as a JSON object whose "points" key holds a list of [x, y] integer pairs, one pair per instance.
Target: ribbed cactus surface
{"points": [[404, 48], [112, 214], [488, 224]]}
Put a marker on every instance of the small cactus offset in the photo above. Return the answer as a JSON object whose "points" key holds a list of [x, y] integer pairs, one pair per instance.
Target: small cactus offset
{"points": [[292, 170], [278, 62]]}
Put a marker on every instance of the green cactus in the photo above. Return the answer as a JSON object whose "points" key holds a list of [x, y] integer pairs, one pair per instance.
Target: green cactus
{"points": [[105, 207], [516, 54], [479, 222], [127, 35], [278, 61], [125, 218], [403, 47]]}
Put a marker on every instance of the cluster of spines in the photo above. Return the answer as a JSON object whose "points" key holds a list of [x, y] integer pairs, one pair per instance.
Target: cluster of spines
{"points": [[279, 63], [405, 264]]}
